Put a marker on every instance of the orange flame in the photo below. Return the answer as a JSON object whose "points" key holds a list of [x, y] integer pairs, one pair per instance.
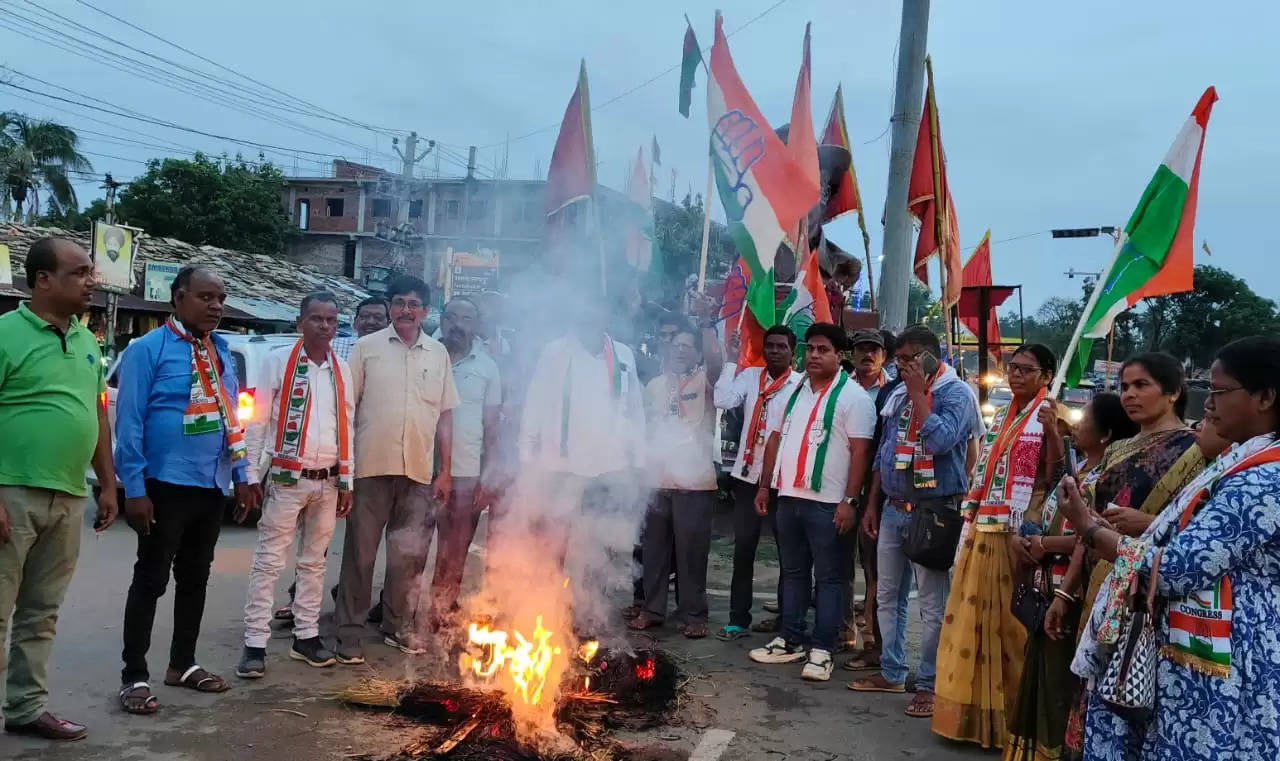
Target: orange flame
{"points": [[588, 650], [526, 663]]}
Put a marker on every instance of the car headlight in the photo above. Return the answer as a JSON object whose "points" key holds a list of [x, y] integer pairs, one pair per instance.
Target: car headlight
{"points": [[988, 409], [1075, 414]]}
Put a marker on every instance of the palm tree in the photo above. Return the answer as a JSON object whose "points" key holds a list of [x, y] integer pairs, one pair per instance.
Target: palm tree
{"points": [[36, 156]]}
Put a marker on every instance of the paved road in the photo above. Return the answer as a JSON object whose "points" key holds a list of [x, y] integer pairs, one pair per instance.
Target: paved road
{"points": [[738, 711]]}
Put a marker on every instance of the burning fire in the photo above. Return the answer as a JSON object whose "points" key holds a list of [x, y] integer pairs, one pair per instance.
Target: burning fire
{"points": [[527, 662]]}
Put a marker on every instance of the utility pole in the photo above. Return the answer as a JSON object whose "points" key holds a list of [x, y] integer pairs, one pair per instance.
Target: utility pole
{"points": [[895, 272], [113, 299], [403, 234]]}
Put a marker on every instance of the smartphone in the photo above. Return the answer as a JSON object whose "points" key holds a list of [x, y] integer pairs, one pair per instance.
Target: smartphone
{"points": [[929, 364], [1073, 463]]}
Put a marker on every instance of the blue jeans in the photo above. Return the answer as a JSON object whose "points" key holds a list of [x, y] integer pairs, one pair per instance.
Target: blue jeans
{"points": [[892, 593], [811, 548]]}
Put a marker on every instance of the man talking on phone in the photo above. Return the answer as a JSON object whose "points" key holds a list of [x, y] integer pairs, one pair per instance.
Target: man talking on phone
{"points": [[928, 420]]}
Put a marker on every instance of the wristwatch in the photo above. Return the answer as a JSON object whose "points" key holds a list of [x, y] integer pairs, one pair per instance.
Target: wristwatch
{"points": [[854, 502]]}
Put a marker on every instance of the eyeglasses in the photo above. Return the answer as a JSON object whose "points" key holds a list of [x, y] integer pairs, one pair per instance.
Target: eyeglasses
{"points": [[1214, 393], [1017, 369], [400, 303]]}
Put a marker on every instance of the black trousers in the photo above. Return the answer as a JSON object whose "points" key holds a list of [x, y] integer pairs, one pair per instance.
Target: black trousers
{"points": [[746, 538], [187, 522]]}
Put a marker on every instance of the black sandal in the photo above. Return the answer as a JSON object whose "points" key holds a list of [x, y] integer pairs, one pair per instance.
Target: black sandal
{"points": [[129, 699], [196, 678]]}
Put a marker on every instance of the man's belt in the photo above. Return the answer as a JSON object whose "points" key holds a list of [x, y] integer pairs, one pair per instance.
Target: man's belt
{"points": [[320, 474]]}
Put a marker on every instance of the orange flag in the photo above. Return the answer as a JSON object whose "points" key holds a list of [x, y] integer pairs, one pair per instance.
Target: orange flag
{"points": [[572, 174], [801, 142], [921, 202], [977, 271]]}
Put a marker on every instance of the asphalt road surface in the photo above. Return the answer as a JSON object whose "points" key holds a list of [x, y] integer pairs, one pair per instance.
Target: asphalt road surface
{"points": [[735, 710]]}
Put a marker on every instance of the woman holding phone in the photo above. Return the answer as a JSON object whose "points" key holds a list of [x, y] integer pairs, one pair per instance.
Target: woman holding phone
{"points": [[981, 646], [1039, 721], [1140, 475]]}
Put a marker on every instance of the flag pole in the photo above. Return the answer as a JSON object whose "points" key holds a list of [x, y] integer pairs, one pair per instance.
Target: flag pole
{"points": [[1069, 356], [706, 198], [940, 210], [866, 246]]}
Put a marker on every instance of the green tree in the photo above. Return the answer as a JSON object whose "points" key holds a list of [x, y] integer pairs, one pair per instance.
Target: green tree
{"points": [[224, 202], [1221, 308], [36, 158], [72, 218], [678, 228]]}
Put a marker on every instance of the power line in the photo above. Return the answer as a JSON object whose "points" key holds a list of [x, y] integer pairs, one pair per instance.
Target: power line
{"points": [[168, 124], [193, 87], [638, 87], [229, 70]]}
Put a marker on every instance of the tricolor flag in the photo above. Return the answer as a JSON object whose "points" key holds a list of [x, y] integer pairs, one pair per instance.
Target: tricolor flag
{"points": [[733, 301], [689, 62], [763, 190], [1156, 256], [807, 302], [639, 242]]}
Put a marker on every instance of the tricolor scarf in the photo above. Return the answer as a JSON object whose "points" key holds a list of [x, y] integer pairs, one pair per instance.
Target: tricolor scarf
{"points": [[686, 404], [1206, 608], [294, 415], [1007, 468], [908, 451], [209, 409], [1051, 526], [755, 430], [815, 434], [1200, 623], [614, 373]]}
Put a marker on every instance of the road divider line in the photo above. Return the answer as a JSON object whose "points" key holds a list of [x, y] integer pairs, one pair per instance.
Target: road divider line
{"points": [[713, 745]]}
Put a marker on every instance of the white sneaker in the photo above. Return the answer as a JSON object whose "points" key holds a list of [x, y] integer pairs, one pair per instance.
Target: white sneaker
{"points": [[777, 651], [818, 669]]}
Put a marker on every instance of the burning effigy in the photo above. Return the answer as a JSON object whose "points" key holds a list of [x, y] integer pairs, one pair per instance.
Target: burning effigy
{"points": [[600, 690]]}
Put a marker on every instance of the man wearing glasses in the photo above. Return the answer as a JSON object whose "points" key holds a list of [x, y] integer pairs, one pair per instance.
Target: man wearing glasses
{"points": [[399, 422], [927, 423]]}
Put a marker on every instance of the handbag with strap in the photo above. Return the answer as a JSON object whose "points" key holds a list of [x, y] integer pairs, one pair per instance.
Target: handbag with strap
{"points": [[933, 534], [1031, 599], [1128, 686]]}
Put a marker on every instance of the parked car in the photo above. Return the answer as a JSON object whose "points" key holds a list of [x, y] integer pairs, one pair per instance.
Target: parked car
{"points": [[997, 397], [1076, 398], [248, 355]]}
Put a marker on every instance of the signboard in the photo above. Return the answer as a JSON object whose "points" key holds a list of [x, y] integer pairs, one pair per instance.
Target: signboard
{"points": [[6, 269], [1105, 368], [157, 278], [113, 249], [471, 274]]}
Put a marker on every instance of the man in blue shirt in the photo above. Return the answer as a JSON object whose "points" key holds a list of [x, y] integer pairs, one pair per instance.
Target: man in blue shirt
{"points": [[920, 459], [179, 446]]}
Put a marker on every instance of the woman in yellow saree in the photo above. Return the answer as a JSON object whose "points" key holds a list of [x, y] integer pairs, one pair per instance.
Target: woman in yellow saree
{"points": [[981, 647]]}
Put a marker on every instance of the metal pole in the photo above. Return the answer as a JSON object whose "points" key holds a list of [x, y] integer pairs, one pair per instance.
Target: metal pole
{"points": [[895, 271], [113, 299], [1069, 355], [984, 348]]}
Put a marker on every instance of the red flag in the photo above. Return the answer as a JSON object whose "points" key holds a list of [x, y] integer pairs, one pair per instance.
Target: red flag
{"points": [[977, 271], [922, 205], [801, 143], [572, 175], [743, 322], [846, 197]]}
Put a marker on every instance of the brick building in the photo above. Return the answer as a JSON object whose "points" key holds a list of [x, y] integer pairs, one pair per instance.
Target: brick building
{"points": [[342, 223]]}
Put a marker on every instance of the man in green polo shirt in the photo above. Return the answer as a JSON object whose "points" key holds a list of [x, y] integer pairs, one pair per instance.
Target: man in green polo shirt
{"points": [[54, 425]]}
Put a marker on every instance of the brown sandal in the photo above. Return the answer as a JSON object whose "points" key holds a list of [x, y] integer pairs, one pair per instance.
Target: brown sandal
{"points": [[877, 683], [695, 630], [921, 705], [196, 678], [137, 699], [765, 626], [862, 660]]}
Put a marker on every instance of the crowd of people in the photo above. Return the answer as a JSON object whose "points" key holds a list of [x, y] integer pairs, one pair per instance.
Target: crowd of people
{"points": [[1108, 589]]}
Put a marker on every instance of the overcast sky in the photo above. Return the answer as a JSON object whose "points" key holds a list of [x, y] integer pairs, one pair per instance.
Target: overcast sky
{"points": [[1053, 115]]}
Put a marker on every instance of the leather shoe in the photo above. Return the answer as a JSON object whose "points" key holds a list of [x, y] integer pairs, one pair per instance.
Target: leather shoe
{"points": [[49, 727]]}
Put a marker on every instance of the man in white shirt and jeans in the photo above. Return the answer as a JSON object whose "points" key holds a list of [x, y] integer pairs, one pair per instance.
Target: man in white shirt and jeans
{"points": [[304, 444], [757, 390], [817, 454]]}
